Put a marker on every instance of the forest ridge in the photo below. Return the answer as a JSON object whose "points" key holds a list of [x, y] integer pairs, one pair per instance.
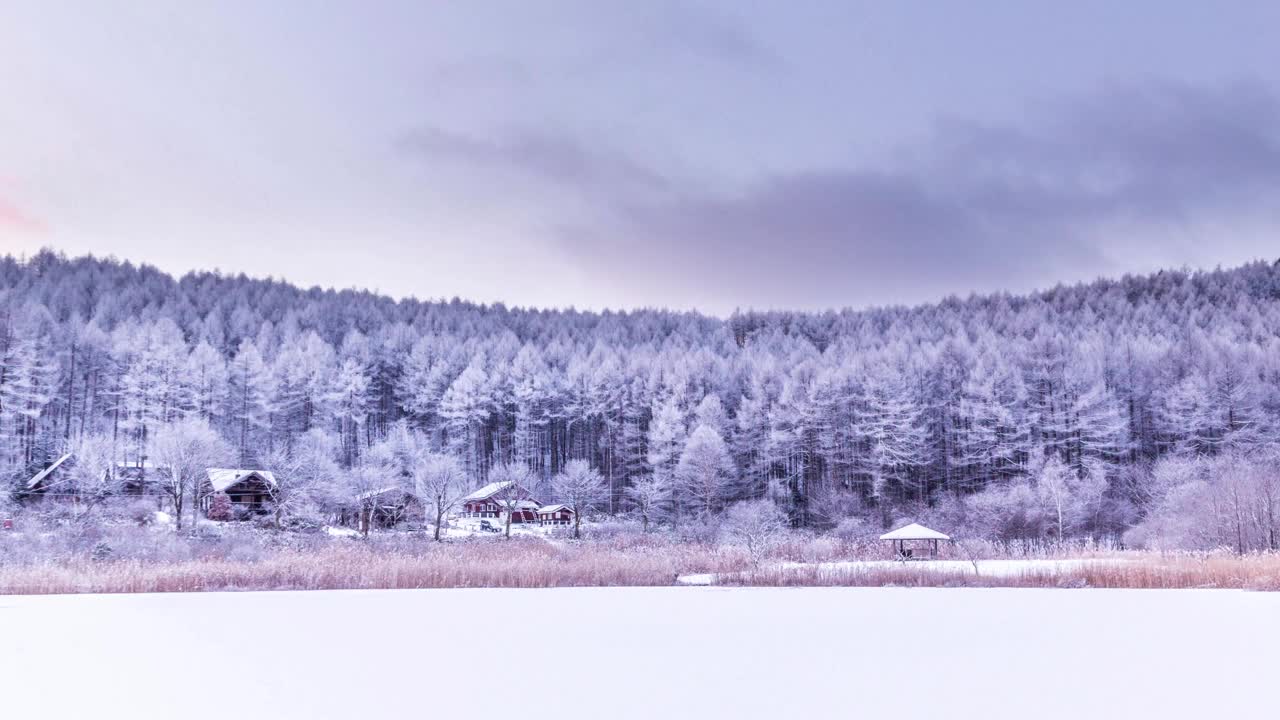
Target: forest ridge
{"points": [[1080, 411]]}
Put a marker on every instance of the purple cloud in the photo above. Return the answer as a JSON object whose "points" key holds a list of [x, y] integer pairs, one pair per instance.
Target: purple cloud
{"points": [[975, 206]]}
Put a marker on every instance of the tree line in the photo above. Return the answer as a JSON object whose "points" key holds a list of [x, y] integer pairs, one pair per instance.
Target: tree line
{"points": [[1042, 415]]}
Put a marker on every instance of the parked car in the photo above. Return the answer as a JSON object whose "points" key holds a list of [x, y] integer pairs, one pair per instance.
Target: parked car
{"points": [[489, 527]]}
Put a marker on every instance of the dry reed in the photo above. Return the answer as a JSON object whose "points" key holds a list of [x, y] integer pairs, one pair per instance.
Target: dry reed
{"points": [[1129, 570], [516, 564]]}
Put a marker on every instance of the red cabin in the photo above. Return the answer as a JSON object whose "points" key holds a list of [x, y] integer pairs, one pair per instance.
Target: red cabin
{"points": [[493, 501], [555, 515]]}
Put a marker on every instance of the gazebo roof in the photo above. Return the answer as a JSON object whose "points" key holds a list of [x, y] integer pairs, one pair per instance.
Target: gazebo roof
{"points": [[914, 531]]}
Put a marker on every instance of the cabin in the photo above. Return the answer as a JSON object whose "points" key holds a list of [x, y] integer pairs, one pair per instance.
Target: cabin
{"points": [[914, 542], [249, 491], [491, 501], [389, 506], [554, 515]]}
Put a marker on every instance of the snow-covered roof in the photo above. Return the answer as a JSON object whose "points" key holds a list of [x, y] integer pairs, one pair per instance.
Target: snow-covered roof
{"points": [[527, 505], [486, 492], [223, 478], [914, 531], [145, 464], [39, 477], [382, 491], [553, 508]]}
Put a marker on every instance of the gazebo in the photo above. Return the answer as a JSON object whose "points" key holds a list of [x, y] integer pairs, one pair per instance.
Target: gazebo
{"points": [[922, 540]]}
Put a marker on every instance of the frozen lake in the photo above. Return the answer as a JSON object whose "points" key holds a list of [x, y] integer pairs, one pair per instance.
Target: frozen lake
{"points": [[643, 653]]}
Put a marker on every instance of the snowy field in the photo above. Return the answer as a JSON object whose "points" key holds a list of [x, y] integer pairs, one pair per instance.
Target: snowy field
{"points": [[642, 653]]}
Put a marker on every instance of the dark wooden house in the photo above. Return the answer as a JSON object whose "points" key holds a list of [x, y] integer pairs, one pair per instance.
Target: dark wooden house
{"points": [[389, 506], [249, 491]]}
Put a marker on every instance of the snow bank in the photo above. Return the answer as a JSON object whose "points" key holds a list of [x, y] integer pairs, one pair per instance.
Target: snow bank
{"points": [[646, 653]]}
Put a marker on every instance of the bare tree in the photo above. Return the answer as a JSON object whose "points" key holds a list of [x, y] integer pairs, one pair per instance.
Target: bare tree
{"points": [[649, 494], [511, 497], [581, 488], [92, 478], [303, 474], [440, 483], [185, 450], [757, 525]]}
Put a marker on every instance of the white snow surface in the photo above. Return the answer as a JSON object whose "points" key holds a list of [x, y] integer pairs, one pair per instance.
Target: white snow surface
{"points": [[645, 653]]}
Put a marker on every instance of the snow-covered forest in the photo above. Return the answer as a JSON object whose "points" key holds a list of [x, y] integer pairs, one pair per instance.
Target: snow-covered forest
{"points": [[1147, 405]]}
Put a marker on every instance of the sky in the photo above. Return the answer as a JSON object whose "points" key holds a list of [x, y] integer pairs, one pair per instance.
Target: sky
{"points": [[601, 154]]}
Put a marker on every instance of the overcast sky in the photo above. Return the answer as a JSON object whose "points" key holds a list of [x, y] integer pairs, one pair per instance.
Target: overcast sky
{"points": [[622, 154]]}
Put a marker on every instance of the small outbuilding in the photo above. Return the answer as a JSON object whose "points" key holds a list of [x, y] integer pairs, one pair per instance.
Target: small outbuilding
{"points": [[555, 515], [915, 542]]}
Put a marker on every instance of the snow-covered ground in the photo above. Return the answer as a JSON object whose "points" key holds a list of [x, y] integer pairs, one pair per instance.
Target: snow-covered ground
{"points": [[988, 568], [643, 653]]}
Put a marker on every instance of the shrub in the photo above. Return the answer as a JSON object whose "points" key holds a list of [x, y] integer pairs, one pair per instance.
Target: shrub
{"points": [[220, 508]]}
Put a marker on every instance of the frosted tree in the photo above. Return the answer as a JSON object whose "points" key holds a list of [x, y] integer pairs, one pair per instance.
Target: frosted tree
{"points": [[251, 400], [206, 373], [513, 495], [649, 496], [440, 484], [530, 393], [152, 388], [464, 408], [26, 383], [666, 441], [183, 452], [303, 373], [92, 476], [890, 424], [427, 374], [306, 474], [348, 400], [705, 470], [581, 488], [750, 435], [757, 525]]}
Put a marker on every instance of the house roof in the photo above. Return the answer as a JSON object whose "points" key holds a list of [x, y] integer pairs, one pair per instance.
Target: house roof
{"points": [[145, 464], [39, 477], [528, 505], [914, 531], [554, 508], [486, 492], [223, 478], [383, 491]]}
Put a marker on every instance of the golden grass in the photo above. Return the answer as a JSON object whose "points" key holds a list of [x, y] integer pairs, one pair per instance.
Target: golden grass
{"points": [[406, 562], [516, 564]]}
